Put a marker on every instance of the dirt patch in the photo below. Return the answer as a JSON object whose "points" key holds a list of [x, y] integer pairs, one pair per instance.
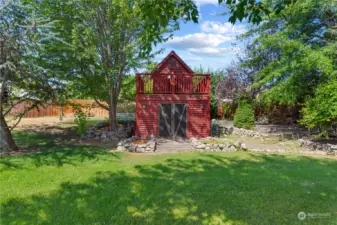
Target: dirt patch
{"points": [[47, 125], [40, 121], [47, 129]]}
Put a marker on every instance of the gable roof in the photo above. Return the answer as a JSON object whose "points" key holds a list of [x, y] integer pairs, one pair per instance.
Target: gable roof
{"points": [[172, 53]]}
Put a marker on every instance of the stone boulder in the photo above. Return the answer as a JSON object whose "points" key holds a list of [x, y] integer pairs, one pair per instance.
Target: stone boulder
{"points": [[316, 146]]}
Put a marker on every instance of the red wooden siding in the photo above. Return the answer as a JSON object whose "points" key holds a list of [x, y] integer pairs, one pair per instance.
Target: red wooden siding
{"points": [[178, 68], [173, 82], [198, 116], [173, 63], [146, 118], [198, 119]]}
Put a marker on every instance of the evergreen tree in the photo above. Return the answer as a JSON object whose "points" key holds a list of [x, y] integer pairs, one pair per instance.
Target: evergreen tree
{"points": [[244, 115], [22, 79]]}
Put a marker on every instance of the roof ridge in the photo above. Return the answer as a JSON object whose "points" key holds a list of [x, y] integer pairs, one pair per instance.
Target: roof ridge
{"points": [[173, 53]]}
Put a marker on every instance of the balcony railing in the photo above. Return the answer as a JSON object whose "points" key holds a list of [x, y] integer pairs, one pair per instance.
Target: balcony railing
{"points": [[172, 84]]}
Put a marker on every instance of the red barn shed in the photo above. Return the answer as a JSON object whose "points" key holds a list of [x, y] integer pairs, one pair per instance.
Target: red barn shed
{"points": [[172, 101]]}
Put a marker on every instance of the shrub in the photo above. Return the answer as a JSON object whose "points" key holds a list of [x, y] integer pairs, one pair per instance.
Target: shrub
{"points": [[214, 107], [321, 109], [126, 107], [227, 110], [124, 118], [81, 121], [244, 116]]}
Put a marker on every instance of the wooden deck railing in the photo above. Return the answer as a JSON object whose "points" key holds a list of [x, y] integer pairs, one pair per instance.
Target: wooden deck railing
{"points": [[173, 84]]}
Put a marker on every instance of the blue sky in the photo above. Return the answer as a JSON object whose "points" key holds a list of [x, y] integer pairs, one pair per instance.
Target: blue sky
{"points": [[210, 43]]}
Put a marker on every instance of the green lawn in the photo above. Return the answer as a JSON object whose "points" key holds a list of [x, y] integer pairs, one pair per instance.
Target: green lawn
{"points": [[68, 123], [87, 185]]}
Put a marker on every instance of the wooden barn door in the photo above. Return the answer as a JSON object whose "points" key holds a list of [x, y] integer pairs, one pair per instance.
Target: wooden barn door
{"points": [[165, 118], [172, 120], [180, 120]]}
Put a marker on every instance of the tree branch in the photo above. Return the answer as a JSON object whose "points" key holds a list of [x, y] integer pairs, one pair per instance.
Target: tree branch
{"points": [[13, 105], [20, 117], [101, 105], [35, 105]]}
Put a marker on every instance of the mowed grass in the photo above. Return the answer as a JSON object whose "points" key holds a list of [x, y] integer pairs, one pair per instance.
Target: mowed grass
{"points": [[70, 122], [74, 184]]}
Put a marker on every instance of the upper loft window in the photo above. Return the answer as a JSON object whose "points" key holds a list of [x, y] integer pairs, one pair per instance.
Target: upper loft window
{"points": [[172, 64]]}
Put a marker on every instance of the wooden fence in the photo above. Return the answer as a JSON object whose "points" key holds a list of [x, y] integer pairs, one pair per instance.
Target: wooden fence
{"points": [[54, 110]]}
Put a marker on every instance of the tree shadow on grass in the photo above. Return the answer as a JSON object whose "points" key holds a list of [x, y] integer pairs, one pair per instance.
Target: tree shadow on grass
{"points": [[53, 152], [58, 156], [211, 189], [44, 140]]}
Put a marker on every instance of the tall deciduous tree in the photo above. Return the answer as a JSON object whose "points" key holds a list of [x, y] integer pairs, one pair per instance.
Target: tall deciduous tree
{"points": [[109, 39], [294, 52]]}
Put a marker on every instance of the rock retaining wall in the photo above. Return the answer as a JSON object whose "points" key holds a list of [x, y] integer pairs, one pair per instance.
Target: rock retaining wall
{"points": [[248, 133], [128, 145], [317, 146], [218, 130], [98, 133], [223, 145]]}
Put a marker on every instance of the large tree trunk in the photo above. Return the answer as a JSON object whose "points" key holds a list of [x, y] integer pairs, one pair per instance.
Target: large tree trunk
{"points": [[6, 139], [112, 110]]}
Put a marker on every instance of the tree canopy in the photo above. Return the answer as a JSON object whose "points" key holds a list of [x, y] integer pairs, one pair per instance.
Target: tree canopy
{"points": [[51, 47], [108, 39], [254, 11], [22, 75], [100, 42], [292, 56]]}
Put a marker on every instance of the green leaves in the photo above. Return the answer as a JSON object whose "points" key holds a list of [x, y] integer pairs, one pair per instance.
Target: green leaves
{"points": [[321, 109], [253, 10], [244, 115], [159, 17], [25, 31], [81, 119], [297, 70], [109, 39], [293, 56]]}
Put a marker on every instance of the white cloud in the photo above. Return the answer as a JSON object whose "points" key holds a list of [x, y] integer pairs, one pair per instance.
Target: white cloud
{"points": [[222, 28], [198, 40], [215, 52], [205, 2]]}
